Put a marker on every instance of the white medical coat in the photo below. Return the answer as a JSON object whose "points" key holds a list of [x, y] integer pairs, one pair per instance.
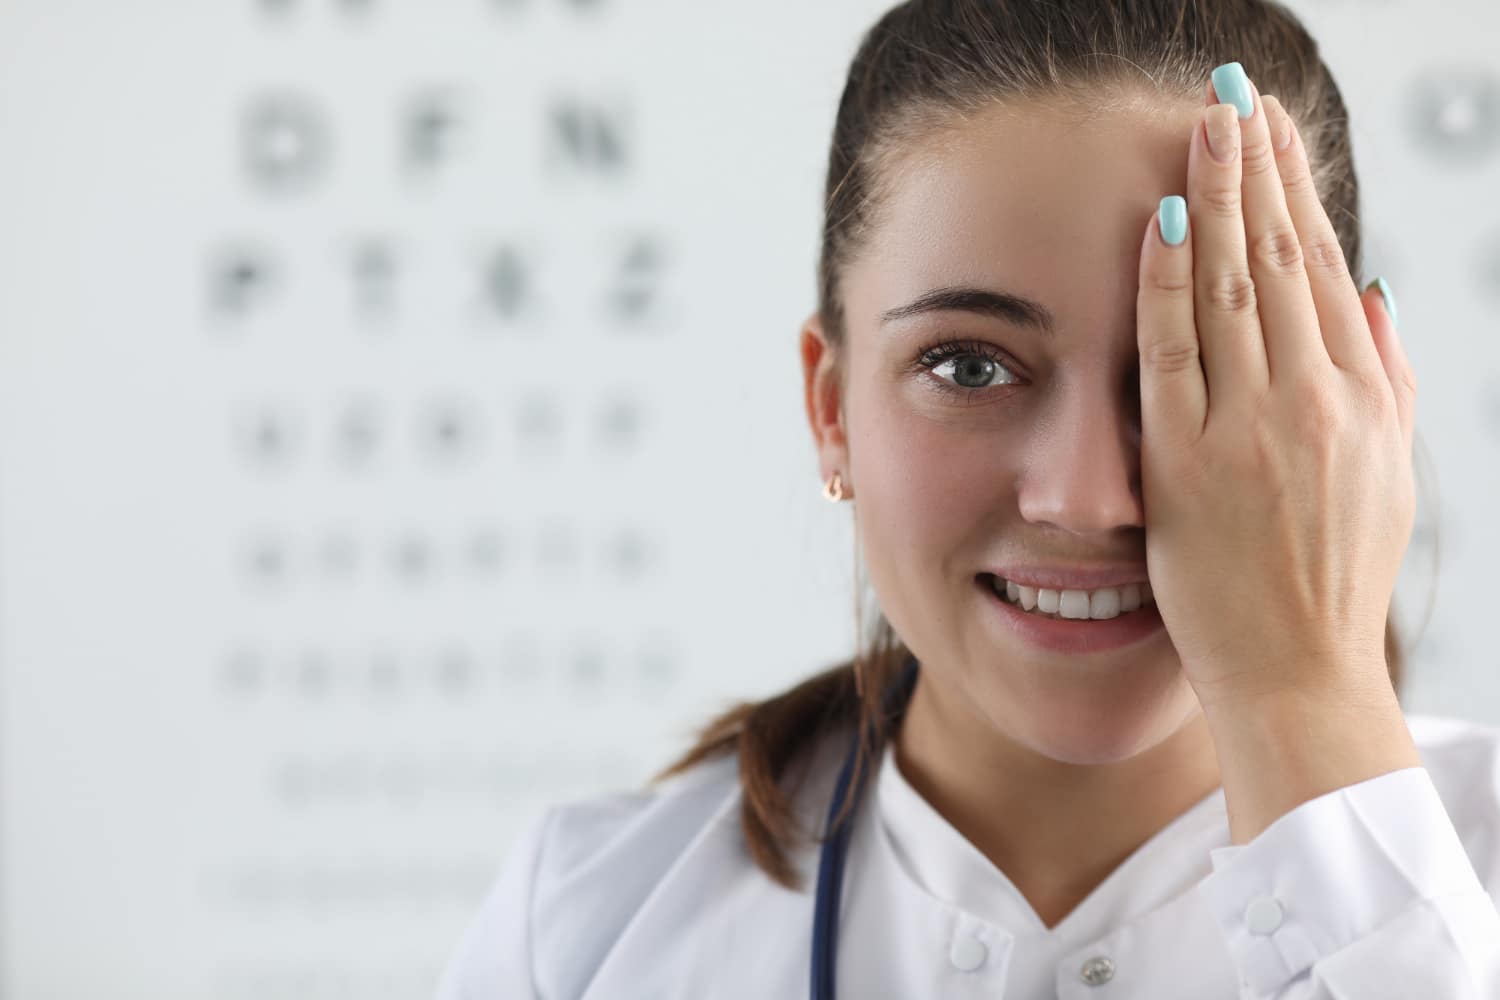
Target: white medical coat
{"points": [[1382, 890]]}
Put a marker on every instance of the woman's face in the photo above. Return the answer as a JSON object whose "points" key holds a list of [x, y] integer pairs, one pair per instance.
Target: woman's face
{"points": [[1039, 466]]}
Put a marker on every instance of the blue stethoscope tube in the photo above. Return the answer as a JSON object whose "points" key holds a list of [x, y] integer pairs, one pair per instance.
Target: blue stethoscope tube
{"points": [[836, 847]]}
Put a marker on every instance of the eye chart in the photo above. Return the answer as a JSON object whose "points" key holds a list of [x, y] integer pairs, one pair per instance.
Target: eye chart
{"points": [[382, 460], [401, 430]]}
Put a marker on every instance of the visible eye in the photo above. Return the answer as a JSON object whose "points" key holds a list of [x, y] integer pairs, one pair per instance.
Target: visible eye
{"points": [[972, 365]]}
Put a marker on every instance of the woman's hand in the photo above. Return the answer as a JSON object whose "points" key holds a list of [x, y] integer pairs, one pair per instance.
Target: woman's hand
{"points": [[1277, 475]]}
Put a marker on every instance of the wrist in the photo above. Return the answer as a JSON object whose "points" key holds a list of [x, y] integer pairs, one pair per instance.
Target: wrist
{"points": [[1279, 750]]}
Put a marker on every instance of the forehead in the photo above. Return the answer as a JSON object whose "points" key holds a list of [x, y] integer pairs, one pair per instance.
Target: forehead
{"points": [[1046, 202]]}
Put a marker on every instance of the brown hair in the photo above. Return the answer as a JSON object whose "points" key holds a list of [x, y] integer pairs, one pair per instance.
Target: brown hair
{"points": [[923, 67]]}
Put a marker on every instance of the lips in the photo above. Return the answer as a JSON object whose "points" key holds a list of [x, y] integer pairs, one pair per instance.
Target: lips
{"points": [[1116, 600], [1067, 635]]}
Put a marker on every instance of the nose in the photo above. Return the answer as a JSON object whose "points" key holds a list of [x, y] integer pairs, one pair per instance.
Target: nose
{"points": [[1084, 472]]}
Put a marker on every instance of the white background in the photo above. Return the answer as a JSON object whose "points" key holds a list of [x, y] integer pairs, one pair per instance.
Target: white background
{"points": [[306, 605]]}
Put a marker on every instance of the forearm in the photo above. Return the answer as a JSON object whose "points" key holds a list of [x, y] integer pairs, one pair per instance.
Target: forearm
{"points": [[1278, 751]]}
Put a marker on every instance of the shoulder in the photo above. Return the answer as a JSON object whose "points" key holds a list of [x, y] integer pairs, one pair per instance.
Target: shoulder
{"points": [[494, 956], [1462, 757], [582, 871]]}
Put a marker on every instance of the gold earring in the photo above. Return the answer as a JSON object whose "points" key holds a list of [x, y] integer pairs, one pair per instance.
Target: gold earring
{"points": [[834, 489]]}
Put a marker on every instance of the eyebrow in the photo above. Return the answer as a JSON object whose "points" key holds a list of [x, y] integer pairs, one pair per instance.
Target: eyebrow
{"points": [[1001, 305]]}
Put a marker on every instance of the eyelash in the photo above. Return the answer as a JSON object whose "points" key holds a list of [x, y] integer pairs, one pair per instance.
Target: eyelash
{"points": [[935, 355]]}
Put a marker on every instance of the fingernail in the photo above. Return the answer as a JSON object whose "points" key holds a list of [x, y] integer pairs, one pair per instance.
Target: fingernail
{"points": [[1232, 86], [1171, 215], [1386, 294]]}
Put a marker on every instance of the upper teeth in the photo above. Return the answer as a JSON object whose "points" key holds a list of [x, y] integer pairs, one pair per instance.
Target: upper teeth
{"points": [[1105, 602]]}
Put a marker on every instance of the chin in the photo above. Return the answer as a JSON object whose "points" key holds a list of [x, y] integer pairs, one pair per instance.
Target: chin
{"points": [[1102, 724]]}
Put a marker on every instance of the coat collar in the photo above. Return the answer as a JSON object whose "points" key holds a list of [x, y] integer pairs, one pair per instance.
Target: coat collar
{"points": [[1143, 927], [714, 925], [946, 864]]}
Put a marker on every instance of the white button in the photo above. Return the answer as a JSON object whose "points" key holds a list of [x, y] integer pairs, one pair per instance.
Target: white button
{"points": [[1097, 971], [1263, 915], [967, 954]]}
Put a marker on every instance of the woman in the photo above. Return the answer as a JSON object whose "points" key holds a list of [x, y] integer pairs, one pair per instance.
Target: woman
{"points": [[1175, 423]]}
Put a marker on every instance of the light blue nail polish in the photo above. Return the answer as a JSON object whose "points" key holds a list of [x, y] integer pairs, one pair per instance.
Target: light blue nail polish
{"points": [[1232, 86], [1172, 216], [1388, 295]]}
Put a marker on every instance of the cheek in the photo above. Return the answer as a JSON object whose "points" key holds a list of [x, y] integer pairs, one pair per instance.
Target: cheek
{"points": [[928, 481]]}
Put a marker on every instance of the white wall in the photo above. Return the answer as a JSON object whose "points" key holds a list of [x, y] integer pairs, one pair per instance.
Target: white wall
{"points": [[314, 585]]}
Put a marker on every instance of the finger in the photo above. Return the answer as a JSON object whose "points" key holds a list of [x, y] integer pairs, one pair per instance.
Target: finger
{"points": [[1288, 316], [1234, 352], [1174, 396], [1346, 332], [1393, 358]]}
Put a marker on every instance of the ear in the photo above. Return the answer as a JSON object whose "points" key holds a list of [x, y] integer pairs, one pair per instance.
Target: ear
{"points": [[823, 392]]}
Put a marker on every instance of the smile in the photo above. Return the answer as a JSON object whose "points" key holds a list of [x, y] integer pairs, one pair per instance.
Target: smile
{"points": [[1100, 604], [1059, 633]]}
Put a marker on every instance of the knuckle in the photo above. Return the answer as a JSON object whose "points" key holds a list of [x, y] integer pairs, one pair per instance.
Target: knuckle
{"points": [[1171, 282], [1221, 200], [1171, 354], [1280, 249], [1374, 394], [1317, 406], [1323, 255], [1297, 181], [1230, 292], [1257, 158], [1266, 454]]}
